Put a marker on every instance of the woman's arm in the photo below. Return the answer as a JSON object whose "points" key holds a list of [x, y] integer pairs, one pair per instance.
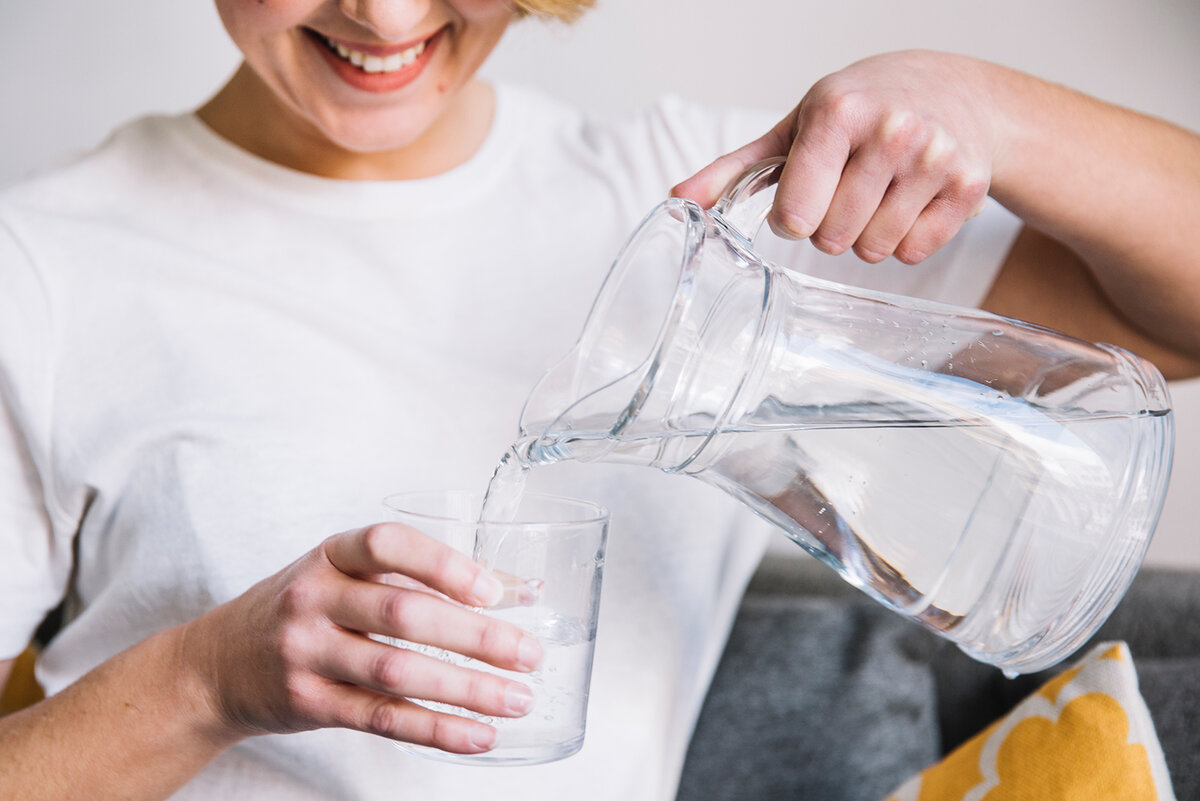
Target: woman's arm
{"points": [[1043, 281], [1111, 192], [138, 726], [291, 654], [892, 154]]}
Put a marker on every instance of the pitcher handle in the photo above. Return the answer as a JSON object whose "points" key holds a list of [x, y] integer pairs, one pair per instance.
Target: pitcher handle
{"points": [[747, 198]]}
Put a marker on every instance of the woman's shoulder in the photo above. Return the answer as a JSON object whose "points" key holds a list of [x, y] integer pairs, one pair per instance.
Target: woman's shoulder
{"points": [[665, 138], [667, 114], [129, 156]]}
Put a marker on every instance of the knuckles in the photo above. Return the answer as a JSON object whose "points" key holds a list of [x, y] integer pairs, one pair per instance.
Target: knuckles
{"points": [[385, 717], [396, 607], [400, 720], [970, 188], [496, 639], [834, 107], [302, 697], [300, 597], [479, 693], [295, 644], [901, 133], [391, 669], [378, 540]]}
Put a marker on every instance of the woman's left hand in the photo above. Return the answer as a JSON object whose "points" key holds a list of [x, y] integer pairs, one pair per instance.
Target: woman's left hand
{"points": [[888, 156]]}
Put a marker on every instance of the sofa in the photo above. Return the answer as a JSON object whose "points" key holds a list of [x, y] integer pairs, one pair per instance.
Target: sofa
{"points": [[823, 694]]}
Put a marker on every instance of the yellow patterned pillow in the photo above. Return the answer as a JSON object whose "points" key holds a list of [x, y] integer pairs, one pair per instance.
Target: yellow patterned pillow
{"points": [[1085, 735]]}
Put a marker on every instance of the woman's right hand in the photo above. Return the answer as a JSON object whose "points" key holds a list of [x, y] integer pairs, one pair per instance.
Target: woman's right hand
{"points": [[292, 653]]}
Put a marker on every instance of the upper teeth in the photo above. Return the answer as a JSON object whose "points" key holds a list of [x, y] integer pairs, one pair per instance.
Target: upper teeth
{"points": [[370, 63]]}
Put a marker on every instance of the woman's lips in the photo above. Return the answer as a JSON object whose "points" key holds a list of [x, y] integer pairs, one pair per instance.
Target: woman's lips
{"points": [[372, 68]]}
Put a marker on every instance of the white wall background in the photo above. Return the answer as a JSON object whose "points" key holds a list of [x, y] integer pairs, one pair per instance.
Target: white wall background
{"points": [[73, 69]]}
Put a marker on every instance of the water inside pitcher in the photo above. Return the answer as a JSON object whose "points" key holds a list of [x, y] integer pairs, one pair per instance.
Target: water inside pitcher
{"points": [[995, 481]]}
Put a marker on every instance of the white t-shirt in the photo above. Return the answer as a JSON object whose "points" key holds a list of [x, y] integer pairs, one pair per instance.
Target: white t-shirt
{"points": [[209, 363]]}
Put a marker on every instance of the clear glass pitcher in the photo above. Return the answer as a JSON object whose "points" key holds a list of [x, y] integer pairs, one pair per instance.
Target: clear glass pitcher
{"points": [[996, 481]]}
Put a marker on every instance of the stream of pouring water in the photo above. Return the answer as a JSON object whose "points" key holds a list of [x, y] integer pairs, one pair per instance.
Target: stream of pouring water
{"points": [[501, 504]]}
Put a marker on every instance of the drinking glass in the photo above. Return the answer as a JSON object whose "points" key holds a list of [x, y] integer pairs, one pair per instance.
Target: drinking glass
{"points": [[550, 555]]}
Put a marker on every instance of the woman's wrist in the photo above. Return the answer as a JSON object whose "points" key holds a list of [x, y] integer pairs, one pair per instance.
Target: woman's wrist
{"points": [[192, 659]]}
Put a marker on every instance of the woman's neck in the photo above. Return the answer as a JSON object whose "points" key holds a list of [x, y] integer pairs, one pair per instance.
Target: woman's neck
{"points": [[248, 114]]}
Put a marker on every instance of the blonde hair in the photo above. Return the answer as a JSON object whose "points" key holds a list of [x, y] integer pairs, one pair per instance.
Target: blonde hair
{"points": [[564, 10]]}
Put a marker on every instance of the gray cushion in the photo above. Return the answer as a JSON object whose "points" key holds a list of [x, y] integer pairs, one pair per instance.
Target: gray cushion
{"points": [[814, 695], [822, 694]]}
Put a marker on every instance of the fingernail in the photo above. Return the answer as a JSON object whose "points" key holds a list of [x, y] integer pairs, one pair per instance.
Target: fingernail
{"points": [[518, 698], [487, 590], [482, 737], [529, 653], [531, 591], [522, 593]]}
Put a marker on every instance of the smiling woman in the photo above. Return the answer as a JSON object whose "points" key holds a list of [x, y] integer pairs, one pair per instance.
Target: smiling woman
{"points": [[411, 108], [226, 334]]}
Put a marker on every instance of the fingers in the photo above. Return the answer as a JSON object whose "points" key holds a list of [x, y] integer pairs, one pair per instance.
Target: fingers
{"points": [[292, 653], [401, 719], [904, 190], [406, 672], [857, 195], [903, 193], [911, 220], [395, 548], [887, 157], [813, 174], [421, 617]]}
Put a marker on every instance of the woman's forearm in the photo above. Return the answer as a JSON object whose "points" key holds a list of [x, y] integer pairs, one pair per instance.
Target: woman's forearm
{"points": [[136, 727], [1119, 188]]}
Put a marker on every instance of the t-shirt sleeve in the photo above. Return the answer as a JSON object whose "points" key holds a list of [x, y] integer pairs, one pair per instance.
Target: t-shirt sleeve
{"points": [[35, 564], [665, 143], [702, 133]]}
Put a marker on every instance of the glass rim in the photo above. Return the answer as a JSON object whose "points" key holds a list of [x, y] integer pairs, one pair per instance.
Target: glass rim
{"points": [[588, 512]]}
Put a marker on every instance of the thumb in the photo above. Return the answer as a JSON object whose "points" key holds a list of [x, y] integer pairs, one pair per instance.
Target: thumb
{"points": [[705, 186]]}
